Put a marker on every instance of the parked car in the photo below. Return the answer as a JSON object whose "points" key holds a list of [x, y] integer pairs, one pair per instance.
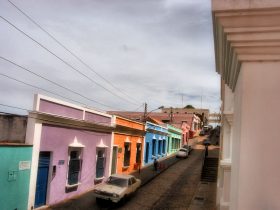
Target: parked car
{"points": [[202, 133], [117, 187], [188, 147], [182, 153]]}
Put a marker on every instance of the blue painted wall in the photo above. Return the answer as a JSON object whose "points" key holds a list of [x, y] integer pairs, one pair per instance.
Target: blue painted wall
{"points": [[161, 139]]}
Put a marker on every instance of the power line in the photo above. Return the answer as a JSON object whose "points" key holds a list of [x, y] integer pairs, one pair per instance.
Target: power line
{"points": [[15, 107], [65, 62], [57, 84], [68, 50], [34, 86], [138, 108]]}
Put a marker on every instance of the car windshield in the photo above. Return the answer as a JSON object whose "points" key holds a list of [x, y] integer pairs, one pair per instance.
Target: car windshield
{"points": [[117, 181], [182, 150]]}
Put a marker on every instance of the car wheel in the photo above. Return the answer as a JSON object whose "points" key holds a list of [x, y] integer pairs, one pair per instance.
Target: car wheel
{"points": [[98, 200], [124, 199]]}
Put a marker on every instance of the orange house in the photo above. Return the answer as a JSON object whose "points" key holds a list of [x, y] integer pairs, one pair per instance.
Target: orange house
{"points": [[128, 145]]}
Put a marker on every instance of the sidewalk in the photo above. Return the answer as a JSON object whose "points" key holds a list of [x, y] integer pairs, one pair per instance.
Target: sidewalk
{"points": [[205, 195], [147, 173], [86, 201]]}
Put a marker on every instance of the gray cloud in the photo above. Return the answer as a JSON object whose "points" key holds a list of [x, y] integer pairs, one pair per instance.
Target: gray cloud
{"points": [[154, 50]]}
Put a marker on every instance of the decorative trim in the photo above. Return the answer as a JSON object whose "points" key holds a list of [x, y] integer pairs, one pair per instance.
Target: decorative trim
{"points": [[76, 143], [225, 164], [70, 122], [101, 144]]}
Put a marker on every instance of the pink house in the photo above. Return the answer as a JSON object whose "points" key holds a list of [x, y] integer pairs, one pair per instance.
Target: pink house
{"points": [[72, 150]]}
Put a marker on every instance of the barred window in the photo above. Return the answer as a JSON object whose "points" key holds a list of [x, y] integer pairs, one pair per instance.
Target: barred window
{"points": [[74, 168], [154, 147], [126, 154], [100, 163], [138, 153]]}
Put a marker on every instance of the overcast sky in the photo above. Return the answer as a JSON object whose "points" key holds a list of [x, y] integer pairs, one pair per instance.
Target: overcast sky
{"points": [[154, 51]]}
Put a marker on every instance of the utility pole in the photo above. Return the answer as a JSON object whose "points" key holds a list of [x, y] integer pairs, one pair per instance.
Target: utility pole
{"points": [[171, 115], [145, 112]]}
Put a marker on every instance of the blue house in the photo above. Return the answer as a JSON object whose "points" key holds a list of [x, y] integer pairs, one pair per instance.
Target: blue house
{"points": [[155, 142]]}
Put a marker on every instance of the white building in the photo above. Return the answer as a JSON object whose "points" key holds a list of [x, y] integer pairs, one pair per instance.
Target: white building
{"points": [[247, 47]]}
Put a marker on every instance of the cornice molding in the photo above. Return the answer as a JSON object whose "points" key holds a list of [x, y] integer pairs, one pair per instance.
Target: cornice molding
{"points": [[244, 35], [50, 119], [228, 116]]}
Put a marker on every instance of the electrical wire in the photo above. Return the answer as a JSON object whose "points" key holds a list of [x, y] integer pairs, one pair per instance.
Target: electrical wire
{"points": [[57, 84], [68, 50], [30, 85], [59, 58]]}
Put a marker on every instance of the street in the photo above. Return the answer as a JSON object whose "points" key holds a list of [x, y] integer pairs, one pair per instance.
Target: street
{"points": [[172, 189]]}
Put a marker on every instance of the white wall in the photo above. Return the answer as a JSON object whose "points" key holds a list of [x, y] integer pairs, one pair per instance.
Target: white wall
{"points": [[255, 178]]}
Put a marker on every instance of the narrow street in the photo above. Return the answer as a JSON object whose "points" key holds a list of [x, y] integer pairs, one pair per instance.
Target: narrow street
{"points": [[172, 189]]}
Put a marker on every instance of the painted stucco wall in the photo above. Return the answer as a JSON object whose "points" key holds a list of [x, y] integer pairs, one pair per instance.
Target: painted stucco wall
{"points": [[255, 154], [60, 109], [129, 128], [119, 139], [57, 140], [130, 124], [13, 128], [14, 192], [175, 137], [151, 134]]}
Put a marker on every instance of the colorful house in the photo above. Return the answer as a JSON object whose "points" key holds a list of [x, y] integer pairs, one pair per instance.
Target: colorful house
{"points": [[15, 165], [71, 150], [128, 145], [155, 142], [14, 175], [174, 139]]}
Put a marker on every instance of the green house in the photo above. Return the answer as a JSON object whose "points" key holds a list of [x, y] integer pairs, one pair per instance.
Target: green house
{"points": [[14, 175], [174, 139]]}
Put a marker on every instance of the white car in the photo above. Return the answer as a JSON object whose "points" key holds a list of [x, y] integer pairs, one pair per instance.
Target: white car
{"points": [[118, 186], [182, 153]]}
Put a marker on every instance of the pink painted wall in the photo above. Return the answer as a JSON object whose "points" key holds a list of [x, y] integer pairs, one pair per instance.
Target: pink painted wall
{"points": [[59, 109], [91, 117], [56, 140]]}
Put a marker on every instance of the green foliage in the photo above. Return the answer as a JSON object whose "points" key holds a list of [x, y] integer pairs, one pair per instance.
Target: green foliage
{"points": [[189, 107]]}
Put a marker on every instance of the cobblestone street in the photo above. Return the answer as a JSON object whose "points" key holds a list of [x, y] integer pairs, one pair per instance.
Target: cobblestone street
{"points": [[174, 188]]}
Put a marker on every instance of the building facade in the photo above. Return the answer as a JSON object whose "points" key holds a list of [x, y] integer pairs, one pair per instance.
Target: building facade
{"points": [[247, 48], [72, 150], [15, 175], [15, 167], [174, 139], [155, 142], [127, 154]]}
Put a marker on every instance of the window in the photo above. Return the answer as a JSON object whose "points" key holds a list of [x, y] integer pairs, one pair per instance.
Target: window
{"points": [[100, 162], [159, 147], [74, 168], [126, 161], [154, 147], [163, 146], [132, 180], [147, 152], [138, 153]]}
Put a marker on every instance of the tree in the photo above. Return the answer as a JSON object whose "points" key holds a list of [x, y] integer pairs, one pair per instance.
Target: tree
{"points": [[189, 107]]}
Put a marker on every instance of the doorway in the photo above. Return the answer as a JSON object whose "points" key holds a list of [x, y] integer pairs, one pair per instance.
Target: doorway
{"points": [[147, 153], [114, 160], [42, 179]]}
